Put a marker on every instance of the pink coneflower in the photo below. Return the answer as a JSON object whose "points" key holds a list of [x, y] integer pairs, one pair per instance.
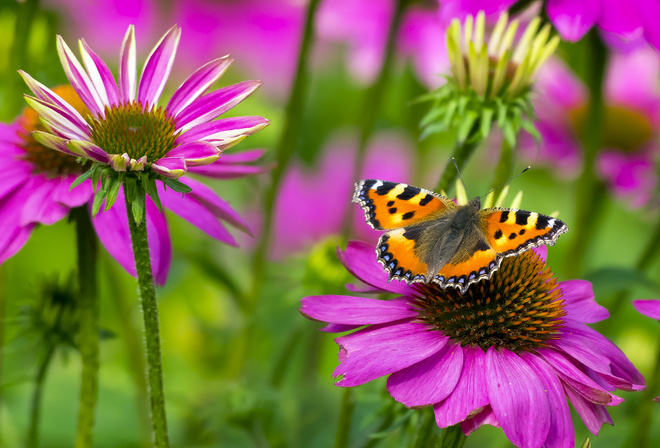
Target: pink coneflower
{"points": [[511, 350], [37, 191], [648, 307], [631, 122]]}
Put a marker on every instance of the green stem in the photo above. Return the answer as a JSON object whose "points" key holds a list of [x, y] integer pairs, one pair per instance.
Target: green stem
{"points": [[89, 325], [453, 437], [150, 313], [426, 436], [35, 408], [285, 149], [504, 166], [345, 416], [642, 428], [462, 154], [590, 190], [372, 101]]}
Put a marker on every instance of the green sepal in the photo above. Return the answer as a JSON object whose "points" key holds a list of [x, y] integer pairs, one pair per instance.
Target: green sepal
{"points": [[466, 125], [149, 185], [177, 185], [531, 130], [98, 201], [138, 206], [113, 190], [486, 121], [82, 178]]}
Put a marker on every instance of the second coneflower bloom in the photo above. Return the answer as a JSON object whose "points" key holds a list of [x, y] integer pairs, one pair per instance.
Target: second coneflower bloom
{"points": [[127, 130], [511, 350]]}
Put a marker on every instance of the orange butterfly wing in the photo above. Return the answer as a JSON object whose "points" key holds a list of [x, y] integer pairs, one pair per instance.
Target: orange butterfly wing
{"points": [[511, 232], [390, 205]]}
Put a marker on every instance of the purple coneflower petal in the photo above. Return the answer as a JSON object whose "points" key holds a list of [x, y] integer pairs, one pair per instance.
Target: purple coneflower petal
{"points": [[39, 205], [73, 198], [214, 104], [560, 434], [649, 308], [88, 150], [79, 79], [576, 343], [13, 240], [58, 119], [216, 205], [173, 167], [53, 142], [439, 373], [580, 302], [112, 229], [484, 417], [470, 392], [127, 67], [593, 415], [575, 378], [573, 19], [377, 351], [196, 214], [219, 170], [197, 84], [47, 95], [360, 260], [157, 68], [356, 310], [100, 74], [338, 328], [223, 130], [13, 181], [196, 153], [517, 397], [241, 157]]}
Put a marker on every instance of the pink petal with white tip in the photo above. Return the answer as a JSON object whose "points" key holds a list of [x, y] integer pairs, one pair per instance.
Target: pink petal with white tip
{"points": [[158, 66], [127, 67], [173, 167], [99, 73], [87, 150], [197, 84], [196, 153], [58, 119], [79, 79], [224, 129]]}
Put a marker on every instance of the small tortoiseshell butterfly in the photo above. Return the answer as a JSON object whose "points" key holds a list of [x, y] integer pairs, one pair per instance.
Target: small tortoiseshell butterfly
{"points": [[430, 238]]}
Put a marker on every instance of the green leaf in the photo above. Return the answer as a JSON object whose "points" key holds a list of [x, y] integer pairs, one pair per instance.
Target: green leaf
{"points": [[451, 111], [96, 175], [112, 192], [466, 125], [98, 201], [432, 115], [82, 178], [486, 121], [149, 185], [531, 129], [177, 185], [509, 133], [432, 129]]}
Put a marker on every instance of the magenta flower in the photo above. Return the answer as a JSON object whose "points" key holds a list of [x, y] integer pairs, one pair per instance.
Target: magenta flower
{"points": [[302, 218], [629, 20], [649, 308], [632, 121], [512, 350], [363, 26]]}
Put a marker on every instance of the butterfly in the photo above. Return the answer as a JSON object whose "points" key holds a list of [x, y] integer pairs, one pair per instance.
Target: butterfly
{"points": [[429, 238]]}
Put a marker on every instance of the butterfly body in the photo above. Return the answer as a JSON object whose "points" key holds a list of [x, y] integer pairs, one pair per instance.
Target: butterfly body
{"points": [[431, 239]]}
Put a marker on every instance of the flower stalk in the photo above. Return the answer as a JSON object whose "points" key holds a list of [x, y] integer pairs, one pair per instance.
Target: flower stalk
{"points": [[35, 405], [147, 291], [453, 437], [345, 416], [89, 325]]}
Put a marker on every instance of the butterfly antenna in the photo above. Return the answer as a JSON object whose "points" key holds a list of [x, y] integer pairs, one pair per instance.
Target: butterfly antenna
{"points": [[459, 176], [508, 181]]}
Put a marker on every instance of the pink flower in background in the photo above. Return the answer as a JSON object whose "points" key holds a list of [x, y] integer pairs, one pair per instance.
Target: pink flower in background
{"points": [[631, 115], [473, 356], [312, 203], [363, 25], [629, 20], [649, 308]]}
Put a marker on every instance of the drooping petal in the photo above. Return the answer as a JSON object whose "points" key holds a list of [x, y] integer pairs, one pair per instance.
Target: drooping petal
{"points": [[127, 67], [377, 351], [241, 157], [195, 153], [360, 260], [470, 393], [517, 397], [339, 328], [617, 16], [88, 150], [484, 417], [223, 130], [214, 104], [573, 19], [58, 118], [356, 310], [430, 380], [593, 415], [79, 79], [218, 170], [576, 378], [188, 208], [51, 141], [73, 198], [100, 74], [157, 67], [197, 84], [560, 434], [14, 235], [173, 167], [649, 308], [112, 229], [580, 302], [216, 205], [39, 205]]}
